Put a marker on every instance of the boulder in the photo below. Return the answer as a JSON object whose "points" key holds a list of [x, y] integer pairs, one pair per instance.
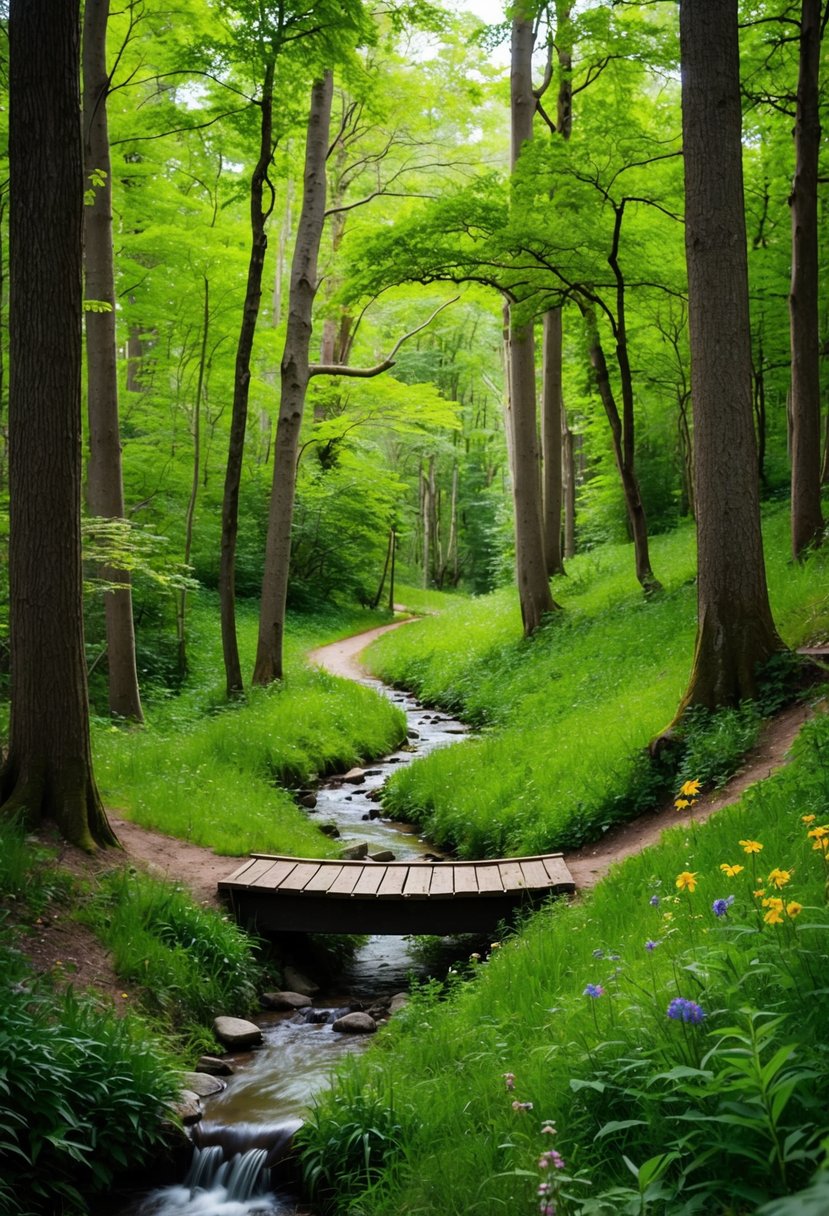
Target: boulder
{"points": [[188, 1107], [214, 1066], [308, 800], [285, 1000], [236, 1033], [398, 1002], [296, 982], [355, 1023], [355, 852], [355, 776], [383, 855], [330, 829], [202, 1084]]}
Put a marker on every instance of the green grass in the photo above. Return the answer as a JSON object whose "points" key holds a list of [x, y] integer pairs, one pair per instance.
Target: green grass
{"points": [[652, 1115], [211, 773], [566, 716]]}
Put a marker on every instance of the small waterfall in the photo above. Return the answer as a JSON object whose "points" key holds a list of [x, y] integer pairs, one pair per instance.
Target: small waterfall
{"points": [[217, 1186]]}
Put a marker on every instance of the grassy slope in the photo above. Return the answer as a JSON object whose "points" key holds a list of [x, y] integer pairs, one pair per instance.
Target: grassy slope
{"points": [[568, 714], [207, 773]]}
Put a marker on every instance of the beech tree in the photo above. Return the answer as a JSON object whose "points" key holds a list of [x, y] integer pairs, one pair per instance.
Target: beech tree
{"points": [[48, 771], [735, 630]]}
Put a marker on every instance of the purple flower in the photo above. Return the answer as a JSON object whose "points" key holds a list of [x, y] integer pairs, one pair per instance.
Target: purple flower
{"points": [[682, 1010], [654, 901], [594, 990], [650, 944], [720, 906], [598, 953]]}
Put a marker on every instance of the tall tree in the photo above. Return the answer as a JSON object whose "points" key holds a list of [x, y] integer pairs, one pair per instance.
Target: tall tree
{"points": [[104, 480], [807, 519], [735, 630], [48, 771]]}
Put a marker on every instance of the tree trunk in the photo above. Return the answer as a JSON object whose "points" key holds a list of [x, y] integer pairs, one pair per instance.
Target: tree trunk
{"points": [[190, 513], [735, 630], [241, 390], [391, 575], [104, 480], [807, 520], [294, 376], [531, 571], [375, 602], [426, 515], [48, 771], [551, 440]]}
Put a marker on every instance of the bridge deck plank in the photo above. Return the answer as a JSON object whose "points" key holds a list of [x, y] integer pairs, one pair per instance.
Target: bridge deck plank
{"points": [[489, 877], [394, 880], [534, 873], [466, 882], [443, 880], [265, 869], [418, 882], [369, 880], [324, 878], [346, 880]]}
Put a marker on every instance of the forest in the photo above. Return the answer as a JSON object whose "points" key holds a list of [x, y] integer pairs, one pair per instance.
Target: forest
{"points": [[317, 317]]}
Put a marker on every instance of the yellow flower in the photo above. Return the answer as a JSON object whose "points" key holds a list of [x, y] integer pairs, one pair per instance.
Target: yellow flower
{"points": [[686, 881], [759, 894], [821, 844], [774, 916], [794, 908], [691, 788], [751, 846], [808, 818], [780, 877], [773, 901], [681, 803], [818, 833], [731, 871]]}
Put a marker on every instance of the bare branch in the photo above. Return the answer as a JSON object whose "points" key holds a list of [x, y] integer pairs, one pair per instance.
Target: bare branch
{"points": [[337, 369]]}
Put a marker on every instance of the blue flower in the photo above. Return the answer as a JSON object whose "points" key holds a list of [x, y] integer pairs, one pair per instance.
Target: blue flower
{"points": [[650, 944], [654, 901], [598, 953], [682, 1010], [594, 990], [720, 906]]}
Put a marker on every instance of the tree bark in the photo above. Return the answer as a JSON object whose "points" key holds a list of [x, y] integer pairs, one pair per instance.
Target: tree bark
{"points": [[241, 389], [104, 479], [551, 440], [531, 571], [48, 771], [294, 386], [735, 630], [807, 519], [569, 487]]}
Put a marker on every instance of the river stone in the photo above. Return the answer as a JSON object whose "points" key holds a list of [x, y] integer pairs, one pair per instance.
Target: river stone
{"points": [[383, 855], [355, 1023], [298, 983], [214, 1066], [398, 1002], [308, 800], [330, 829], [355, 852], [355, 776], [203, 1085], [236, 1033], [285, 1000], [187, 1107]]}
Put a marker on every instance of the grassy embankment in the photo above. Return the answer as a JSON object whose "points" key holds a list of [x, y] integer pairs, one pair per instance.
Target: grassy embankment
{"points": [[568, 715], [670, 1025]]}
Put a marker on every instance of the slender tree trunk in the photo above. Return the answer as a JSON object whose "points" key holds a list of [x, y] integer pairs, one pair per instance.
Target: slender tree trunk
{"points": [[531, 570], [551, 440], [569, 488], [426, 516], [190, 513], [376, 600], [241, 389], [104, 480], [48, 771], [294, 376], [735, 630], [452, 544], [391, 576], [807, 519]]}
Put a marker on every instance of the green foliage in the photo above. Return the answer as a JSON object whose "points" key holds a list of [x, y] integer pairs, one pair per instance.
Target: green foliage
{"points": [[714, 1106]]}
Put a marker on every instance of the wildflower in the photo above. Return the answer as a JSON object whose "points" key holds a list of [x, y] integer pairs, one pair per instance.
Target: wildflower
{"points": [[794, 908], [808, 818], [551, 1158], [682, 1010], [654, 901], [751, 846], [522, 1106], [667, 916], [599, 953], [774, 916], [720, 906], [548, 1127], [544, 1188], [547, 1209], [681, 803], [474, 957], [495, 945], [686, 881], [125, 995], [759, 894], [780, 877], [651, 945], [509, 1080], [691, 788], [821, 845], [594, 990], [819, 833], [614, 958], [731, 871]]}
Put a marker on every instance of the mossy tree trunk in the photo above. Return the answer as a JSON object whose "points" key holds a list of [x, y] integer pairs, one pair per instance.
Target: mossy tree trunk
{"points": [[48, 772], [735, 630]]}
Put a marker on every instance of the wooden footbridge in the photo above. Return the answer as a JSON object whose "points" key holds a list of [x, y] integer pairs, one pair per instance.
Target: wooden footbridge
{"points": [[295, 895]]}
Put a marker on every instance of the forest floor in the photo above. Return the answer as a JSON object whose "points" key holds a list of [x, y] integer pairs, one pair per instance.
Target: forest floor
{"points": [[58, 944]]}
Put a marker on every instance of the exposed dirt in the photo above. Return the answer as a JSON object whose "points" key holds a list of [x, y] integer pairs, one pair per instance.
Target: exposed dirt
{"points": [[61, 946]]}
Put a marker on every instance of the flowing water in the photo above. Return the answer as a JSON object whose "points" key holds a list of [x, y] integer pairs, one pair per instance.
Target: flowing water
{"points": [[247, 1128]]}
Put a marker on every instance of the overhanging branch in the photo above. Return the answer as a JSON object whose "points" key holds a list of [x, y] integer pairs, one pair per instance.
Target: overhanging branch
{"points": [[342, 369]]}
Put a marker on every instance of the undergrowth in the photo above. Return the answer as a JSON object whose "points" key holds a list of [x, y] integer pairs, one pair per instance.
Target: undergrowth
{"points": [[656, 1047]]}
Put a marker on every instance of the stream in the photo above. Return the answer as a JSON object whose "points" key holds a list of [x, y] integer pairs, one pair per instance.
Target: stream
{"points": [[247, 1128]]}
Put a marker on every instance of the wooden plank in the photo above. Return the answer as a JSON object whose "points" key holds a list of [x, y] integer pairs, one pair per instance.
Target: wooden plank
{"points": [[325, 876], [394, 880], [466, 881], [418, 882], [346, 880], [237, 874], [512, 876], [535, 875], [299, 876], [443, 880], [560, 877], [369, 880], [260, 869], [489, 878]]}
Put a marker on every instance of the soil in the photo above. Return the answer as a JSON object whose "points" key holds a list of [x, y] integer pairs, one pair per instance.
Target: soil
{"points": [[57, 944]]}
